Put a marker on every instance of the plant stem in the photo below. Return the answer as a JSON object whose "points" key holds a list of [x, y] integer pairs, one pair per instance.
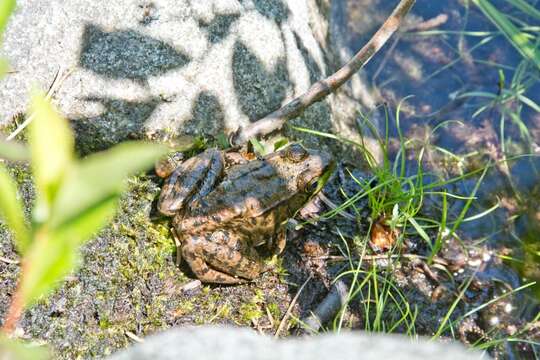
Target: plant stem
{"points": [[14, 313]]}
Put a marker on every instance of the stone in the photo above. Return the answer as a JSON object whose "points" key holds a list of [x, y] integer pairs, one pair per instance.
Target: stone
{"points": [[221, 343], [142, 69]]}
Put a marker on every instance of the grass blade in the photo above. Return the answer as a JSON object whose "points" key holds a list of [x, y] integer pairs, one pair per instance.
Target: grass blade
{"points": [[517, 38]]}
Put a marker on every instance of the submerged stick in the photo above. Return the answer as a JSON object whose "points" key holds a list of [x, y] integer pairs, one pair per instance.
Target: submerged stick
{"points": [[327, 309], [323, 88]]}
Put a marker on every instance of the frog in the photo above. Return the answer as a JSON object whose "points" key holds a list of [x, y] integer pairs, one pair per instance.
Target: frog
{"points": [[225, 215]]}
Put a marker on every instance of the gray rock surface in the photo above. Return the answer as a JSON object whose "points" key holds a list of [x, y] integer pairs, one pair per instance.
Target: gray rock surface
{"points": [[166, 67], [219, 343]]}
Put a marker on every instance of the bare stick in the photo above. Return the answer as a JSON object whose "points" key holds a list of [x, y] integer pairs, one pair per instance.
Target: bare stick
{"points": [[133, 337], [323, 88], [327, 309], [291, 305]]}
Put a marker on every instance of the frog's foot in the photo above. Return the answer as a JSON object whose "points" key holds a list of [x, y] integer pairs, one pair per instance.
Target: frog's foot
{"points": [[280, 241], [207, 259], [192, 179], [206, 274], [164, 167]]}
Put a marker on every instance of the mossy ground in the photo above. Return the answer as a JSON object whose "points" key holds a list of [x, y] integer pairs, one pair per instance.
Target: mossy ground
{"points": [[128, 283]]}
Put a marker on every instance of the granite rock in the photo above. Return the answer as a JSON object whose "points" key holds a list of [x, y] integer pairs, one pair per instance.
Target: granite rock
{"points": [[162, 68]]}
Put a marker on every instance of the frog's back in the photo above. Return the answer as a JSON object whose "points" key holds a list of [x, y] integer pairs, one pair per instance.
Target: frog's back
{"points": [[250, 191]]}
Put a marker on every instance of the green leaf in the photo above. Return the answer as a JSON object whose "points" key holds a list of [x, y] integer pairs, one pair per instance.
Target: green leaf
{"points": [[11, 210], [12, 349], [280, 143], [6, 8], [79, 229], [258, 147], [51, 147], [101, 176]]}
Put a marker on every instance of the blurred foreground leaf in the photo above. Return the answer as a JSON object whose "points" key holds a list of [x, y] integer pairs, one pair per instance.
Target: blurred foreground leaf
{"points": [[13, 151], [6, 8], [14, 350], [86, 200], [101, 176], [45, 264], [76, 198], [51, 146], [11, 209], [3, 67]]}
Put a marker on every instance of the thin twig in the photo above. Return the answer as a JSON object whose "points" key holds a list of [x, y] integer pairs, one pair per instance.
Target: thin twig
{"points": [[8, 261], [333, 206], [336, 258], [291, 305], [133, 337], [323, 88], [55, 85]]}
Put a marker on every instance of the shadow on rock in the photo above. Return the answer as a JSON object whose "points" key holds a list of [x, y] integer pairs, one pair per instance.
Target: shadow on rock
{"points": [[127, 54], [275, 10], [259, 91], [315, 72], [207, 117], [219, 27], [121, 120]]}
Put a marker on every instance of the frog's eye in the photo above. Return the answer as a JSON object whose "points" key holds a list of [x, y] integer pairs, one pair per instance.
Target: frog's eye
{"points": [[295, 153], [306, 182]]}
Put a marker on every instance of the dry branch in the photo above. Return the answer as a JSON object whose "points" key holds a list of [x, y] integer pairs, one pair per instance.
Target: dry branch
{"points": [[323, 88]]}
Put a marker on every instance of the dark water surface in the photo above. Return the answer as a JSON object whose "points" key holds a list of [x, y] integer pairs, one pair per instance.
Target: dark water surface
{"points": [[435, 69]]}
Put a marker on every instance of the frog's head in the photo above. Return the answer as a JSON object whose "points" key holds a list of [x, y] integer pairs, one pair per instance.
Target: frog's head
{"points": [[301, 167]]}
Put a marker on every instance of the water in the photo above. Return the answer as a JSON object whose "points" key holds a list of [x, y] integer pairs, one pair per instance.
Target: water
{"points": [[436, 69]]}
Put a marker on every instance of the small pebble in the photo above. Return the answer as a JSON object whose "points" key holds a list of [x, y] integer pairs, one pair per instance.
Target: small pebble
{"points": [[192, 285]]}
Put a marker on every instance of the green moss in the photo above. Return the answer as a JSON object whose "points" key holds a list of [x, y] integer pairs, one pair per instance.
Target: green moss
{"points": [[104, 323], [250, 312], [222, 312], [253, 311], [185, 307], [274, 311]]}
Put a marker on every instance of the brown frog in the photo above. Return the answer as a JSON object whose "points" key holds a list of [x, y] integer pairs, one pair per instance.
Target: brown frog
{"points": [[222, 215]]}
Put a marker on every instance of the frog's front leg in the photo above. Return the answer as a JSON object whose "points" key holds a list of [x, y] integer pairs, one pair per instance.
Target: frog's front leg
{"points": [[217, 259], [192, 179], [276, 244]]}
